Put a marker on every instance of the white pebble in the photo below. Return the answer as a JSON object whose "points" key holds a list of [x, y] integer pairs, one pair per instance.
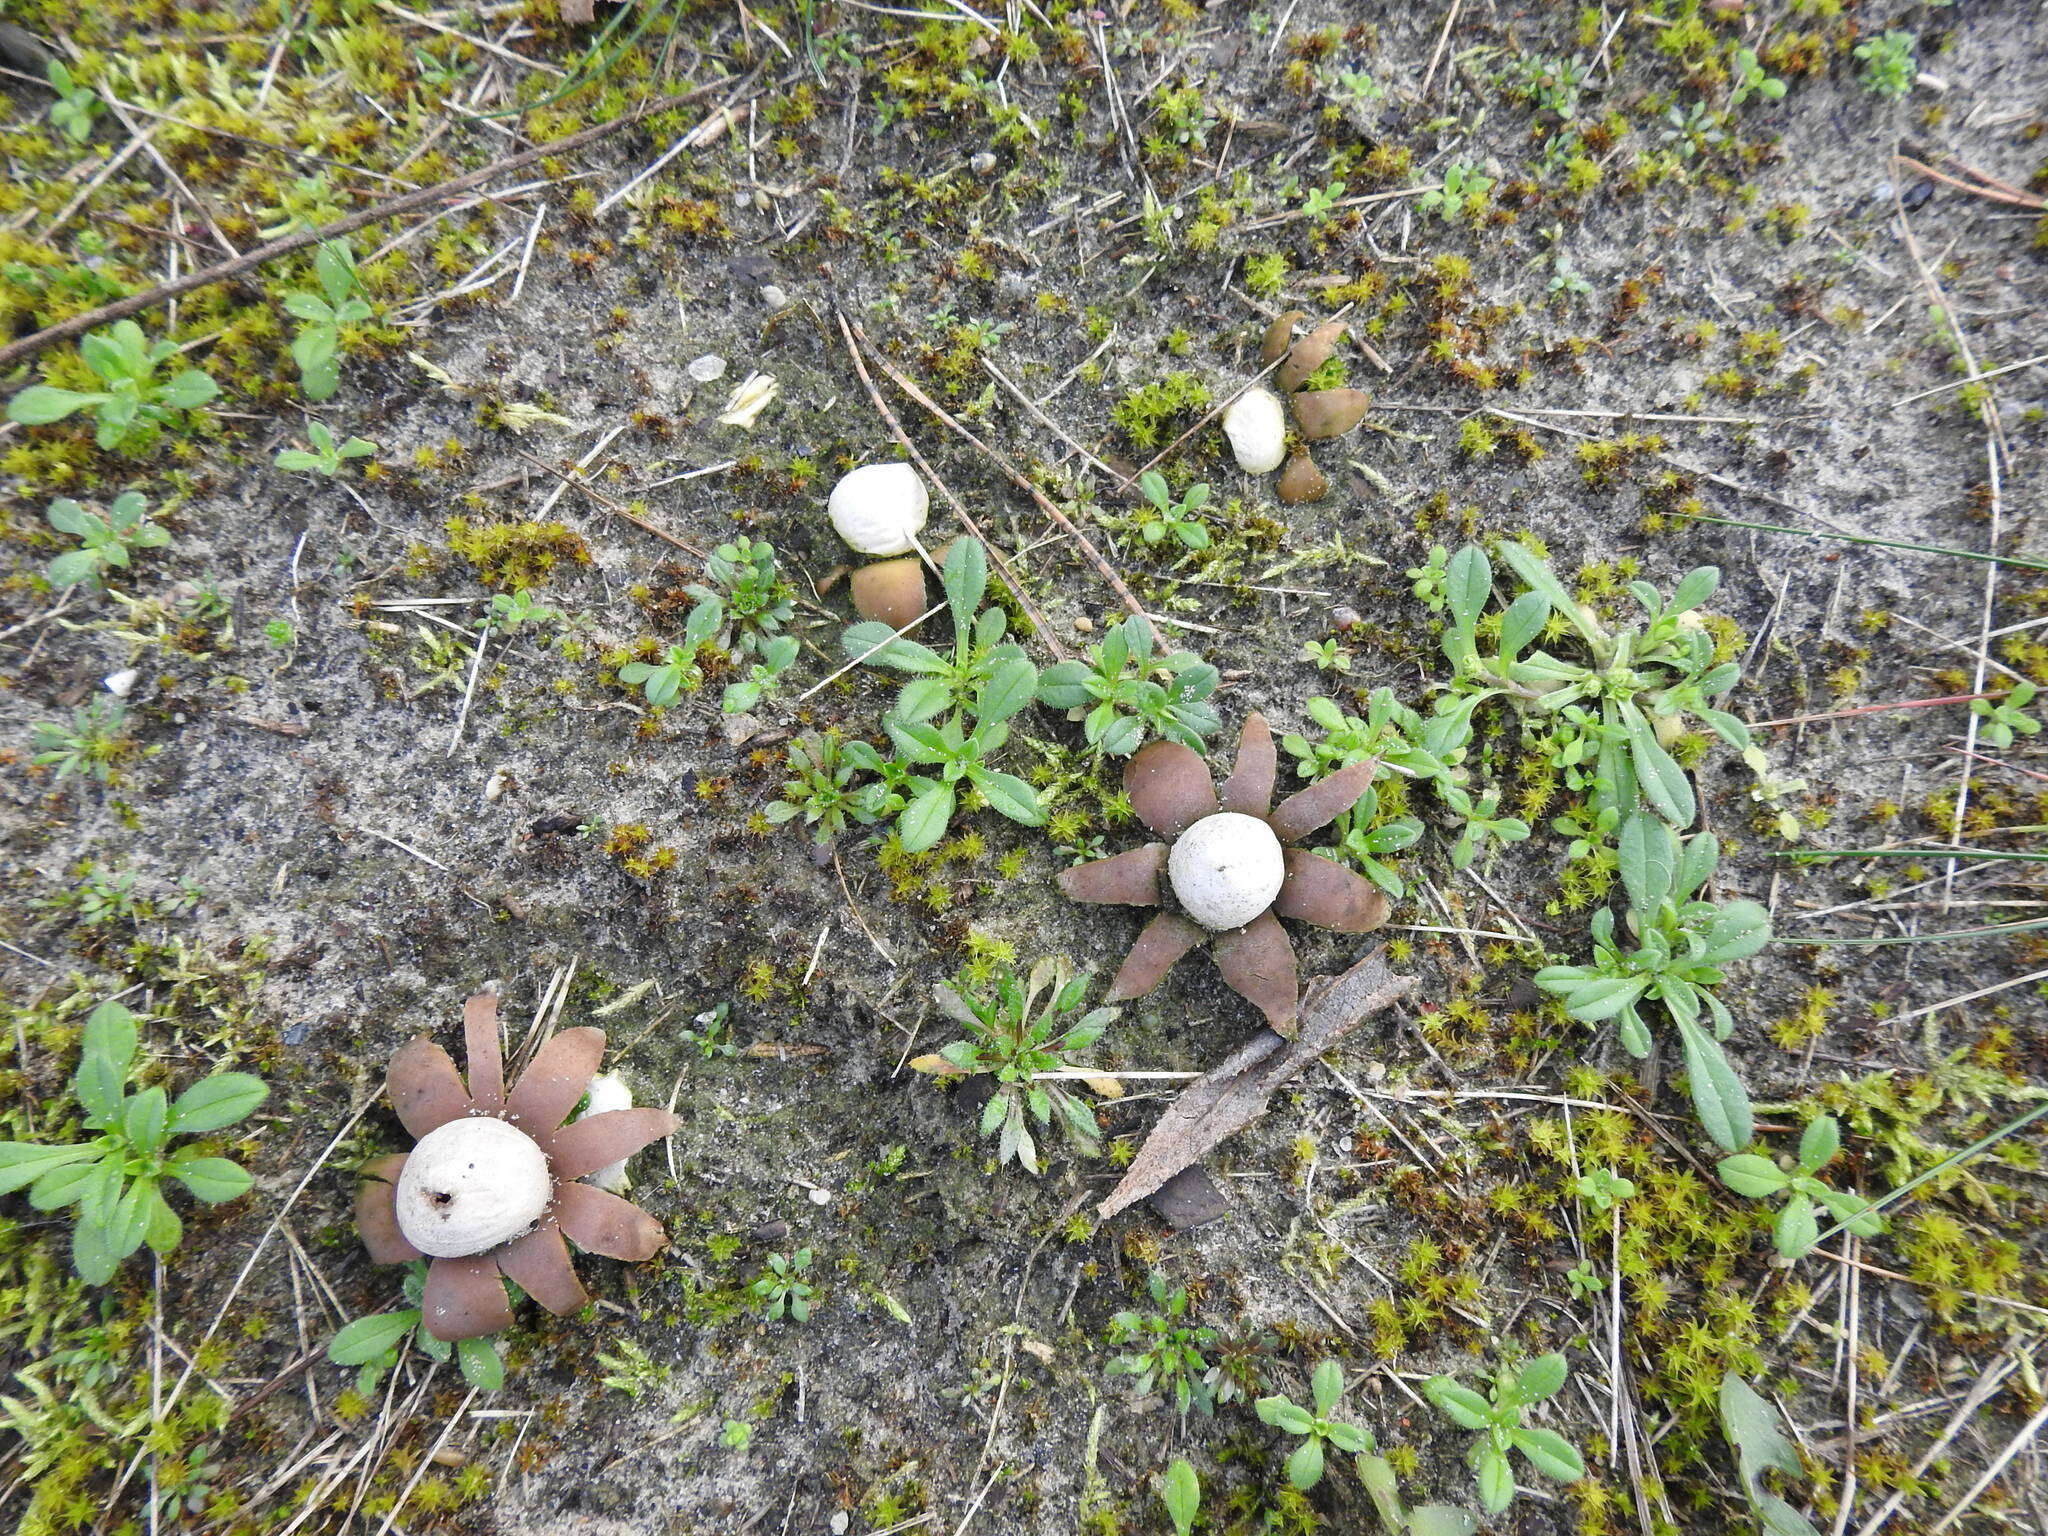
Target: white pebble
{"points": [[880, 508], [1256, 425], [774, 297], [122, 683], [707, 368]]}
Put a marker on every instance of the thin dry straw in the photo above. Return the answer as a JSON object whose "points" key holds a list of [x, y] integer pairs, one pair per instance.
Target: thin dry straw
{"points": [[1924, 938], [1856, 538]]}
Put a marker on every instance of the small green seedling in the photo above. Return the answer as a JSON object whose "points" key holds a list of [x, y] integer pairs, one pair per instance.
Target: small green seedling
{"points": [[513, 611], [1604, 1189], [1888, 63], [374, 1343], [1798, 1228], [1014, 1039], [823, 792], [116, 1179], [106, 539], [1180, 1490], [1120, 692], [2007, 717], [317, 347], [1180, 519], [1463, 191], [1499, 1416], [1305, 1465], [662, 682], [781, 1287], [76, 106], [1168, 1357], [90, 745], [1327, 655], [1585, 1280], [1751, 79], [327, 456], [776, 657], [134, 400]]}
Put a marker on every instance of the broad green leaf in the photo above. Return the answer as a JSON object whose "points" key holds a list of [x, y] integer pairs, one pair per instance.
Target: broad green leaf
{"points": [[1384, 1489], [1540, 1378], [1009, 689], [1797, 1230], [188, 390], [1662, 782], [1181, 1492], [68, 1183], [1442, 1520], [1717, 1093], [92, 1252], [1852, 1211], [1326, 1386], [1753, 1176], [482, 1368], [1496, 1479], [925, 818], [881, 646], [77, 565], [1010, 796], [1649, 859], [1305, 1466], [111, 1035], [212, 1179], [373, 1337], [1549, 1453], [217, 1101], [41, 404], [1348, 1438], [1522, 623], [1739, 930], [1459, 1402], [1819, 1143], [164, 1230], [144, 1118], [23, 1162], [1284, 1413], [1694, 588], [965, 578], [1064, 685]]}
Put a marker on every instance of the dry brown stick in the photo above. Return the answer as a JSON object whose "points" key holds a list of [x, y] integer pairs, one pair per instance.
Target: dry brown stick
{"points": [[1017, 477], [223, 271], [616, 508], [850, 331], [1996, 192]]}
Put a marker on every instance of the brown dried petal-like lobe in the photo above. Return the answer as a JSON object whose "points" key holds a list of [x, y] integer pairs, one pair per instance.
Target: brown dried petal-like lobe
{"points": [[1249, 789], [1301, 481], [1322, 802], [486, 1055], [425, 1090], [538, 1264], [464, 1298], [1123, 880], [1165, 939], [1258, 961], [1278, 335], [600, 1223], [1169, 787], [560, 1075], [890, 592], [377, 1212], [601, 1140], [1330, 412], [1327, 894], [1309, 354]]}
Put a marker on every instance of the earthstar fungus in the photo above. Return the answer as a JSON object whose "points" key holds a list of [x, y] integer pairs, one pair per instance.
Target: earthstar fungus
{"points": [[1229, 870], [491, 1191]]}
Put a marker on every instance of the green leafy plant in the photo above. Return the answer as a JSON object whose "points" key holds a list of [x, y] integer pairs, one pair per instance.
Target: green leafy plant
{"points": [[662, 682], [629, 1369], [1018, 1030], [513, 611], [1327, 655], [89, 744], [1178, 519], [133, 403], [2003, 719], [374, 1343], [106, 539], [1180, 1490], [1483, 823], [781, 1287], [1750, 1424], [1680, 946], [321, 316], [1464, 191], [1889, 68], [823, 790], [1603, 1188], [76, 107], [1305, 1464], [1585, 1280], [1121, 692], [327, 456], [1798, 1228], [953, 715], [758, 601], [1396, 1519], [116, 1179], [1752, 79], [1499, 1417], [1168, 1355]]}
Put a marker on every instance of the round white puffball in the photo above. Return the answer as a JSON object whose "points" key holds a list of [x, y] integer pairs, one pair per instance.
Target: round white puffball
{"points": [[878, 508], [470, 1185], [1256, 425], [1226, 869]]}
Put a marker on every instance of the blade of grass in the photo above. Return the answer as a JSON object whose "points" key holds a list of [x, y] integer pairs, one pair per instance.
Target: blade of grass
{"points": [[1894, 1196], [1857, 538], [1902, 853], [1922, 938]]}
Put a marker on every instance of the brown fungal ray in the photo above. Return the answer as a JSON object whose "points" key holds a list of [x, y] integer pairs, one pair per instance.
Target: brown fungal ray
{"points": [[601, 1140], [486, 1055], [539, 1265], [1257, 960], [1249, 789], [1165, 939], [377, 1212], [560, 1074], [1301, 481], [464, 1298], [1278, 336], [1123, 880], [1169, 787], [1309, 354], [1330, 412], [602, 1223], [1327, 894], [890, 592], [425, 1090], [1322, 802]]}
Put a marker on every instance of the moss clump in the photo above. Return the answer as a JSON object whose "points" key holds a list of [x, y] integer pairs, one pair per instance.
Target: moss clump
{"points": [[1143, 414], [514, 555]]}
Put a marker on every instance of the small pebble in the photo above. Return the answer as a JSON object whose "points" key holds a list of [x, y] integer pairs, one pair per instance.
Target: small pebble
{"points": [[983, 164], [1084, 625], [840, 1522], [1345, 618], [774, 297], [494, 787], [820, 1196], [122, 683], [707, 368]]}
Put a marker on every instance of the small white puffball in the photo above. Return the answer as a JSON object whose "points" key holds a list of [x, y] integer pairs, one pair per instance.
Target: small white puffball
{"points": [[878, 508], [608, 1091], [1256, 425], [470, 1185], [1226, 869]]}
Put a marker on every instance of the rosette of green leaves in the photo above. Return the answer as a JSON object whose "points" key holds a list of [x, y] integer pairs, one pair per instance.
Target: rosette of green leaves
{"points": [[823, 791], [758, 602], [1122, 697], [662, 682], [1498, 1416], [372, 1344], [1016, 1030], [1168, 1356], [321, 316], [1798, 1226], [116, 1180], [133, 400], [106, 540], [1681, 946], [1305, 1464]]}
